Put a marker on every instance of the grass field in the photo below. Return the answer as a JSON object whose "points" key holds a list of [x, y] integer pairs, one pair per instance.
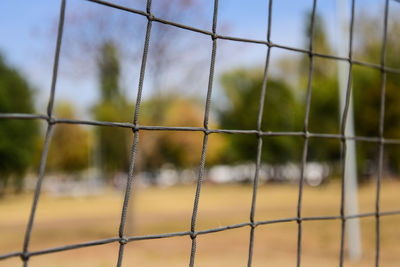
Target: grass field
{"points": [[67, 220]]}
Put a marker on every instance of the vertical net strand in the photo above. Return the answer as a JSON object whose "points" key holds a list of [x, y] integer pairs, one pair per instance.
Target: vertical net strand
{"points": [[306, 136], [121, 231], [259, 140], [205, 139], [49, 131]]}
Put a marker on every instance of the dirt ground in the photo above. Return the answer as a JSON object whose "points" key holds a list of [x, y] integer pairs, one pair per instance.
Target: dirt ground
{"points": [[66, 220]]}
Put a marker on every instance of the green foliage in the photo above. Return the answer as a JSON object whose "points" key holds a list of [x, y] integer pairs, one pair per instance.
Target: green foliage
{"points": [[324, 107], [17, 137], [284, 106], [112, 142], [319, 37], [243, 88], [324, 114], [367, 85], [109, 70], [367, 105]]}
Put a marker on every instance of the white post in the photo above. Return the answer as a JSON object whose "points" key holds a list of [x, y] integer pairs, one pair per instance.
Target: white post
{"points": [[350, 175]]}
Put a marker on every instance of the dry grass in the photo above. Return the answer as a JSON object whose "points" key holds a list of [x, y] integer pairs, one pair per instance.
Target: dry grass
{"points": [[62, 221]]}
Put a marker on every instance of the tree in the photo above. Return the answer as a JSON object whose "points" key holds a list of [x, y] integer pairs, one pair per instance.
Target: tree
{"points": [[324, 114], [109, 71], [17, 137], [69, 149], [242, 88], [179, 148], [284, 107], [112, 142], [366, 86], [367, 91]]}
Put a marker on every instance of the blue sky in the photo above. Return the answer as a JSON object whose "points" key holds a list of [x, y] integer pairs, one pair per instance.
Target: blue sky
{"points": [[28, 30]]}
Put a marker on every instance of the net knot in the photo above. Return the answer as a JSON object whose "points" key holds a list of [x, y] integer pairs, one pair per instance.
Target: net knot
{"points": [[150, 16], [123, 240], [193, 235], [51, 120], [135, 128], [24, 256]]}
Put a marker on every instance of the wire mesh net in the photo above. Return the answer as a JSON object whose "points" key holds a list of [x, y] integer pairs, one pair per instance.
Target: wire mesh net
{"points": [[26, 254]]}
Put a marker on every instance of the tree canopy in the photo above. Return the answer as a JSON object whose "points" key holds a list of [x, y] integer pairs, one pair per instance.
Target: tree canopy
{"points": [[181, 148], [243, 88], [285, 103], [112, 142], [69, 149], [17, 137]]}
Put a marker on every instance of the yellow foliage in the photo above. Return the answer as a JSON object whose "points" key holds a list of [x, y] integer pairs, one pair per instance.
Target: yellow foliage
{"points": [[180, 148], [69, 147]]}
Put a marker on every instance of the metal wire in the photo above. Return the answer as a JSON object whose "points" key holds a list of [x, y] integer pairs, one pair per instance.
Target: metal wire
{"points": [[259, 144], [121, 231], [188, 233], [50, 127], [25, 254], [205, 139]]}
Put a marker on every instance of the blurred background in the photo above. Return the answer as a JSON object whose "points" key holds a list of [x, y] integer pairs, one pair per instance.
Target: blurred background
{"points": [[86, 170]]}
